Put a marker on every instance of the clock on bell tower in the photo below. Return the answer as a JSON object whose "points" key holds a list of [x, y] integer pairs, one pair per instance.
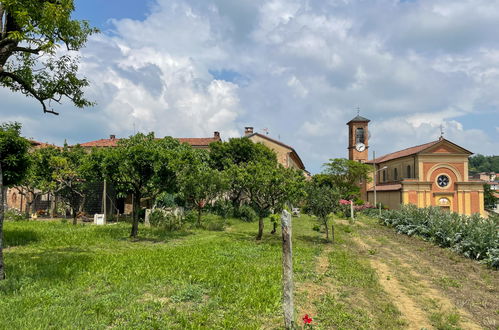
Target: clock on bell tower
{"points": [[358, 139]]}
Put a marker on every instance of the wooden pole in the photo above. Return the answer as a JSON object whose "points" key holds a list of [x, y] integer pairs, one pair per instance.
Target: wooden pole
{"points": [[351, 210], [287, 270], [2, 270], [104, 200]]}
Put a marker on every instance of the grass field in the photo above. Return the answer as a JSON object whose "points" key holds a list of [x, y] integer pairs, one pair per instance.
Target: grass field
{"points": [[60, 276]]}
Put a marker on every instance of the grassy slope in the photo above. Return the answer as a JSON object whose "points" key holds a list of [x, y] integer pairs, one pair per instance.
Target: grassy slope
{"points": [[60, 276]]}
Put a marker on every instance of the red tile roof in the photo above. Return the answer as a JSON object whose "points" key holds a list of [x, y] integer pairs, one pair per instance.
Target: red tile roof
{"points": [[38, 144], [195, 142], [403, 153]]}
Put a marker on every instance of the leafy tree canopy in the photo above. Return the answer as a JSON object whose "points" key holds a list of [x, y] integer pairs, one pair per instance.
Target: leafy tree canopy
{"points": [[14, 156], [481, 163], [344, 175], [31, 35], [239, 151]]}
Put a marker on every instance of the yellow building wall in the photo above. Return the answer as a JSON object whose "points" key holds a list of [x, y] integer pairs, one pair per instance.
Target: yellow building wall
{"points": [[282, 153]]}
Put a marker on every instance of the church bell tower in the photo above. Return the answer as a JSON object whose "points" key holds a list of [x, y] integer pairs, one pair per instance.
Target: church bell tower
{"points": [[358, 139]]}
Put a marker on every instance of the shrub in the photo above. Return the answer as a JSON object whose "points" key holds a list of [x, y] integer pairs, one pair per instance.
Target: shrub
{"points": [[163, 218], [14, 215], [246, 213], [223, 208], [165, 200], [472, 236], [213, 222]]}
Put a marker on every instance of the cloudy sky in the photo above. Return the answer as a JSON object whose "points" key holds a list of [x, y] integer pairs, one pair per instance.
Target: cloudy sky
{"points": [[299, 68]]}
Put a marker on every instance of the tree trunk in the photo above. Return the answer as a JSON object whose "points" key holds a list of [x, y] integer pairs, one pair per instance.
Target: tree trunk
{"points": [[327, 230], [332, 233], [75, 220], [260, 228], [136, 210], [199, 216], [274, 229], [2, 271]]}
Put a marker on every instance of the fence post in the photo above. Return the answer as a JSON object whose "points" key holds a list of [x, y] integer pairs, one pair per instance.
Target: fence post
{"points": [[351, 210], [287, 270]]}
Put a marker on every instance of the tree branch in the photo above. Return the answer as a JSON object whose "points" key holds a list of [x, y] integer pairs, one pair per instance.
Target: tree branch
{"points": [[29, 89], [28, 50]]}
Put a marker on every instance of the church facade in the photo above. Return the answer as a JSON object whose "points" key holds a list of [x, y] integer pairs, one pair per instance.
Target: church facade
{"points": [[431, 174]]}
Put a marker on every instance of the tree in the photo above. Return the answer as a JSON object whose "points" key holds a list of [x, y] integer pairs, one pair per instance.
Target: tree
{"points": [[69, 178], [38, 180], [322, 200], [31, 33], [490, 200], [201, 185], [269, 187], [236, 152], [14, 163], [345, 176]]}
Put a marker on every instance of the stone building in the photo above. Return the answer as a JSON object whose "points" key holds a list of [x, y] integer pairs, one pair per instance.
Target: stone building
{"points": [[431, 174]]}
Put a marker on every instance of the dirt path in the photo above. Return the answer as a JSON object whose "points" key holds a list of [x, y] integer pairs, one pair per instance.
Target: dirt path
{"points": [[432, 287]]}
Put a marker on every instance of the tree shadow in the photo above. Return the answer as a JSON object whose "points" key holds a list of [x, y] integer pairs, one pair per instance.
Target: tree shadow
{"points": [[60, 265], [314, 239], [271, 239], [19, 237]]}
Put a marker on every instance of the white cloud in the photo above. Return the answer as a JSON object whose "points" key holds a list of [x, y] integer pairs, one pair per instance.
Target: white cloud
{"points": [[303, 66]]}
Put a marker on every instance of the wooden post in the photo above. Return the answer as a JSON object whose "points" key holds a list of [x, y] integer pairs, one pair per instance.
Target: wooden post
{"points": [[287, 271], [2, 270], [351, 210], [104, 200]]}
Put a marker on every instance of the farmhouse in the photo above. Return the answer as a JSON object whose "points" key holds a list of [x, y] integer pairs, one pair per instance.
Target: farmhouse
{"points": [[286, 155], [431, 174]]}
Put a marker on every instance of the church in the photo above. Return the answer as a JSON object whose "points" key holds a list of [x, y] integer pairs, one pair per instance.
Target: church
{"points": [[430, 174]]}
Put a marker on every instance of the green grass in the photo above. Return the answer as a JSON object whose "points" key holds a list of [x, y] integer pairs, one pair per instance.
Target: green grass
{"points": [[60, 276]]}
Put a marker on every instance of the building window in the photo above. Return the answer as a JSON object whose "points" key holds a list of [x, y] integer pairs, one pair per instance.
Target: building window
{"points": [[359, 135], [395, 174], [384, 175], [443, 181], [409, 171]]}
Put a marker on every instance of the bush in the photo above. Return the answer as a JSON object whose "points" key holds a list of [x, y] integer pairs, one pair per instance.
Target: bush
{"points": [[472, 236], [165, 200], [14, 215], [223, 208], [213, 222], [163, 218], [191, 217], [246, 213]]}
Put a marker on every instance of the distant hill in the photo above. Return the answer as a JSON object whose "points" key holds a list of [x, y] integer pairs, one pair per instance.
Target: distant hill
{"points": [[480, 163]]}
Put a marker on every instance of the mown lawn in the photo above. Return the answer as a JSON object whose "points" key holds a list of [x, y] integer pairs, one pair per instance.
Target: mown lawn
{"points": [[60, 276]]}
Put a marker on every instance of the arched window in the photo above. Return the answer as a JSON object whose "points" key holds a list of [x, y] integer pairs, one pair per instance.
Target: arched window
{"points": [[395, 174], [409, 171], [359, 135]]}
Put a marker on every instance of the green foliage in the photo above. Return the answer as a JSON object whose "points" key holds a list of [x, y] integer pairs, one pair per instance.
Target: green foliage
{"points": [[30, 63], [490, 200], [165, 219], [472, 236], [238, 151], [344, 175], [246, 213], [223, 208], [14, 215], [165, 200], [322, 200], [480, 163], [214, 222], [14, 157]]}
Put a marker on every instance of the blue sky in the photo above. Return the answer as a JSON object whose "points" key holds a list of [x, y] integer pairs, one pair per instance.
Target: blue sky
{"points": [[299, 68]]}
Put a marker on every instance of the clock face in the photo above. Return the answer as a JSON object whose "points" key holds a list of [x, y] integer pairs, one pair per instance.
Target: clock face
{"points": [[360, 147], [443, 181]]}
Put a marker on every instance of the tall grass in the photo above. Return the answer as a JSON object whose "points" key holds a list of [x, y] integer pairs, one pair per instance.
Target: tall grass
{"points": [[472, 236]]}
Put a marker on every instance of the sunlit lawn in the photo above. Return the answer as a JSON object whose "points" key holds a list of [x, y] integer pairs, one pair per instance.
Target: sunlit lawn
{"points": [[60, 276]]}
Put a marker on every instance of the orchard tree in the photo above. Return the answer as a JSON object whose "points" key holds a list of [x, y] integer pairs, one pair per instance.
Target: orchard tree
{"points": [[69, 180], [200, 185], [269, 187], [322, 200], [32, 33], [228, 156], [345, 176], [14, 163]]}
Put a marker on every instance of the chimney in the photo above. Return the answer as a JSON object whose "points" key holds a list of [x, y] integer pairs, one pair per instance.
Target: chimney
{"points": [[112, 136], [248, 131], [216, 135]]}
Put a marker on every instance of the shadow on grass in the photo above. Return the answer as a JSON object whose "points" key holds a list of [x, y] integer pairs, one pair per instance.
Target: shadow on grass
{"points": [[19, 237], [314, 239], [61, 265], [271, 239]]}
